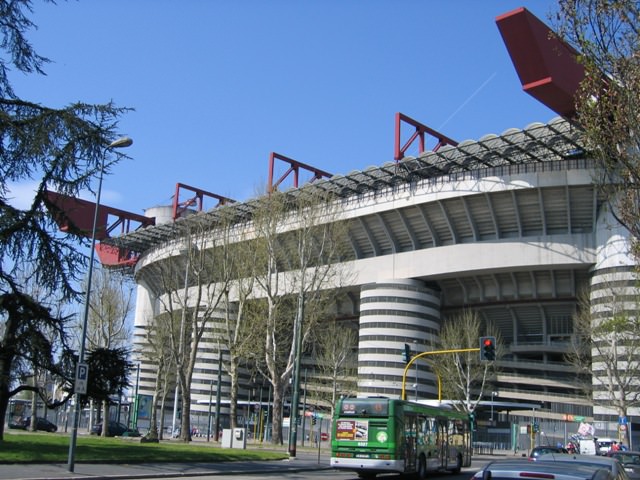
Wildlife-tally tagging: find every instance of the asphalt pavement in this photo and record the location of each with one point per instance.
(304, 461)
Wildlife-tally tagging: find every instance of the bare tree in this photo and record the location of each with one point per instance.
(236, 333)
(157, 351)
(300, 246)
(463, 375)
(606, 350)
(194, 305)
(109, 322)
(336, 343)
(607, 36)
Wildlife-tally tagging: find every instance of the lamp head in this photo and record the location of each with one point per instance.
(121, 142)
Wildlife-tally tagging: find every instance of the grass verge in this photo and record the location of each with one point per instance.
(54, 448)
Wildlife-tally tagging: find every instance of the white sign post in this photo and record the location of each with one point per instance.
(82, 375)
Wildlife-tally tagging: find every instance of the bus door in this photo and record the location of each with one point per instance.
(410, 437)
(443, 442)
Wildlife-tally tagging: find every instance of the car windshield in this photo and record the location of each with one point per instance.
(628, 458)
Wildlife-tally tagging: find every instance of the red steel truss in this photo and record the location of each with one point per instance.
(198, 199)
(420, 132)
(294, 166)
(74, 215)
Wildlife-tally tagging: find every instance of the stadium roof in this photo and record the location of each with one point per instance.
(537, 143)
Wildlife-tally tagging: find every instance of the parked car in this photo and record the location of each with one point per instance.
(42, 424)
(630, 461)
(115, 429)
(543, 449)
(518, 469)
(613, 465)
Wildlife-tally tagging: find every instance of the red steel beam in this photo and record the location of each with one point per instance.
(419, 133)
(294, 167)
(548, 67)
(74, 215)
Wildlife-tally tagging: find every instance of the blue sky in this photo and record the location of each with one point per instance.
(218, 85)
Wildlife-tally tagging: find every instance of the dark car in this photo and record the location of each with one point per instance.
(630, 461)
(116, 429)
(42, 424)
(544, 449)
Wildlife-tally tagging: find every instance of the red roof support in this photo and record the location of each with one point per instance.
(180, 207)
(294, 166)
(420, 131)
(74, 215)
(548, 67)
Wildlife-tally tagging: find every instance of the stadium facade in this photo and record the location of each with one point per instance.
(509, 226)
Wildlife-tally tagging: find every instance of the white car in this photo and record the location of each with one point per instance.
(604, 445)
(614, 466)
(519, 469)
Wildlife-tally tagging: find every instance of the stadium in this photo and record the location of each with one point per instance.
(509, 225)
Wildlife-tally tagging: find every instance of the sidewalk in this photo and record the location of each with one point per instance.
(304, 461)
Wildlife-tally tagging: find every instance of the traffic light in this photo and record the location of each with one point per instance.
(313, 420)
(406, 354)
(487, 348)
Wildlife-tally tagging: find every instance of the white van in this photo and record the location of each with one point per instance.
(588, 447)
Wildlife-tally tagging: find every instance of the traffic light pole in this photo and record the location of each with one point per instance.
(424, 354)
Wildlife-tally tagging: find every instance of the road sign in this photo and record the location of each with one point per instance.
(82, 376)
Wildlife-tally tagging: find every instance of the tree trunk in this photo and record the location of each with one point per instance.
(276, 424)
(152, 435)
(233, 393)
(105, 417)
(185, 420)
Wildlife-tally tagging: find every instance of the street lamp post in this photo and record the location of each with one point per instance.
(216, 430)
(492, 395)
(121, 142)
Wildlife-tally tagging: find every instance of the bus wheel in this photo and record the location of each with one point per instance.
(458, 467)
(422, 468)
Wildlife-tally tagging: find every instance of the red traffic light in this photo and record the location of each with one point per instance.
(487, 348)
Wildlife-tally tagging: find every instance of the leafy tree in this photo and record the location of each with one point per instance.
(109, 370)
(607, 35)
(61, 149)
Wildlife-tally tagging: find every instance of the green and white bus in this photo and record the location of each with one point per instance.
(381, 435)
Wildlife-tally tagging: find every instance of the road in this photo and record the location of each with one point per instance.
(305, 466)
(326, 475)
